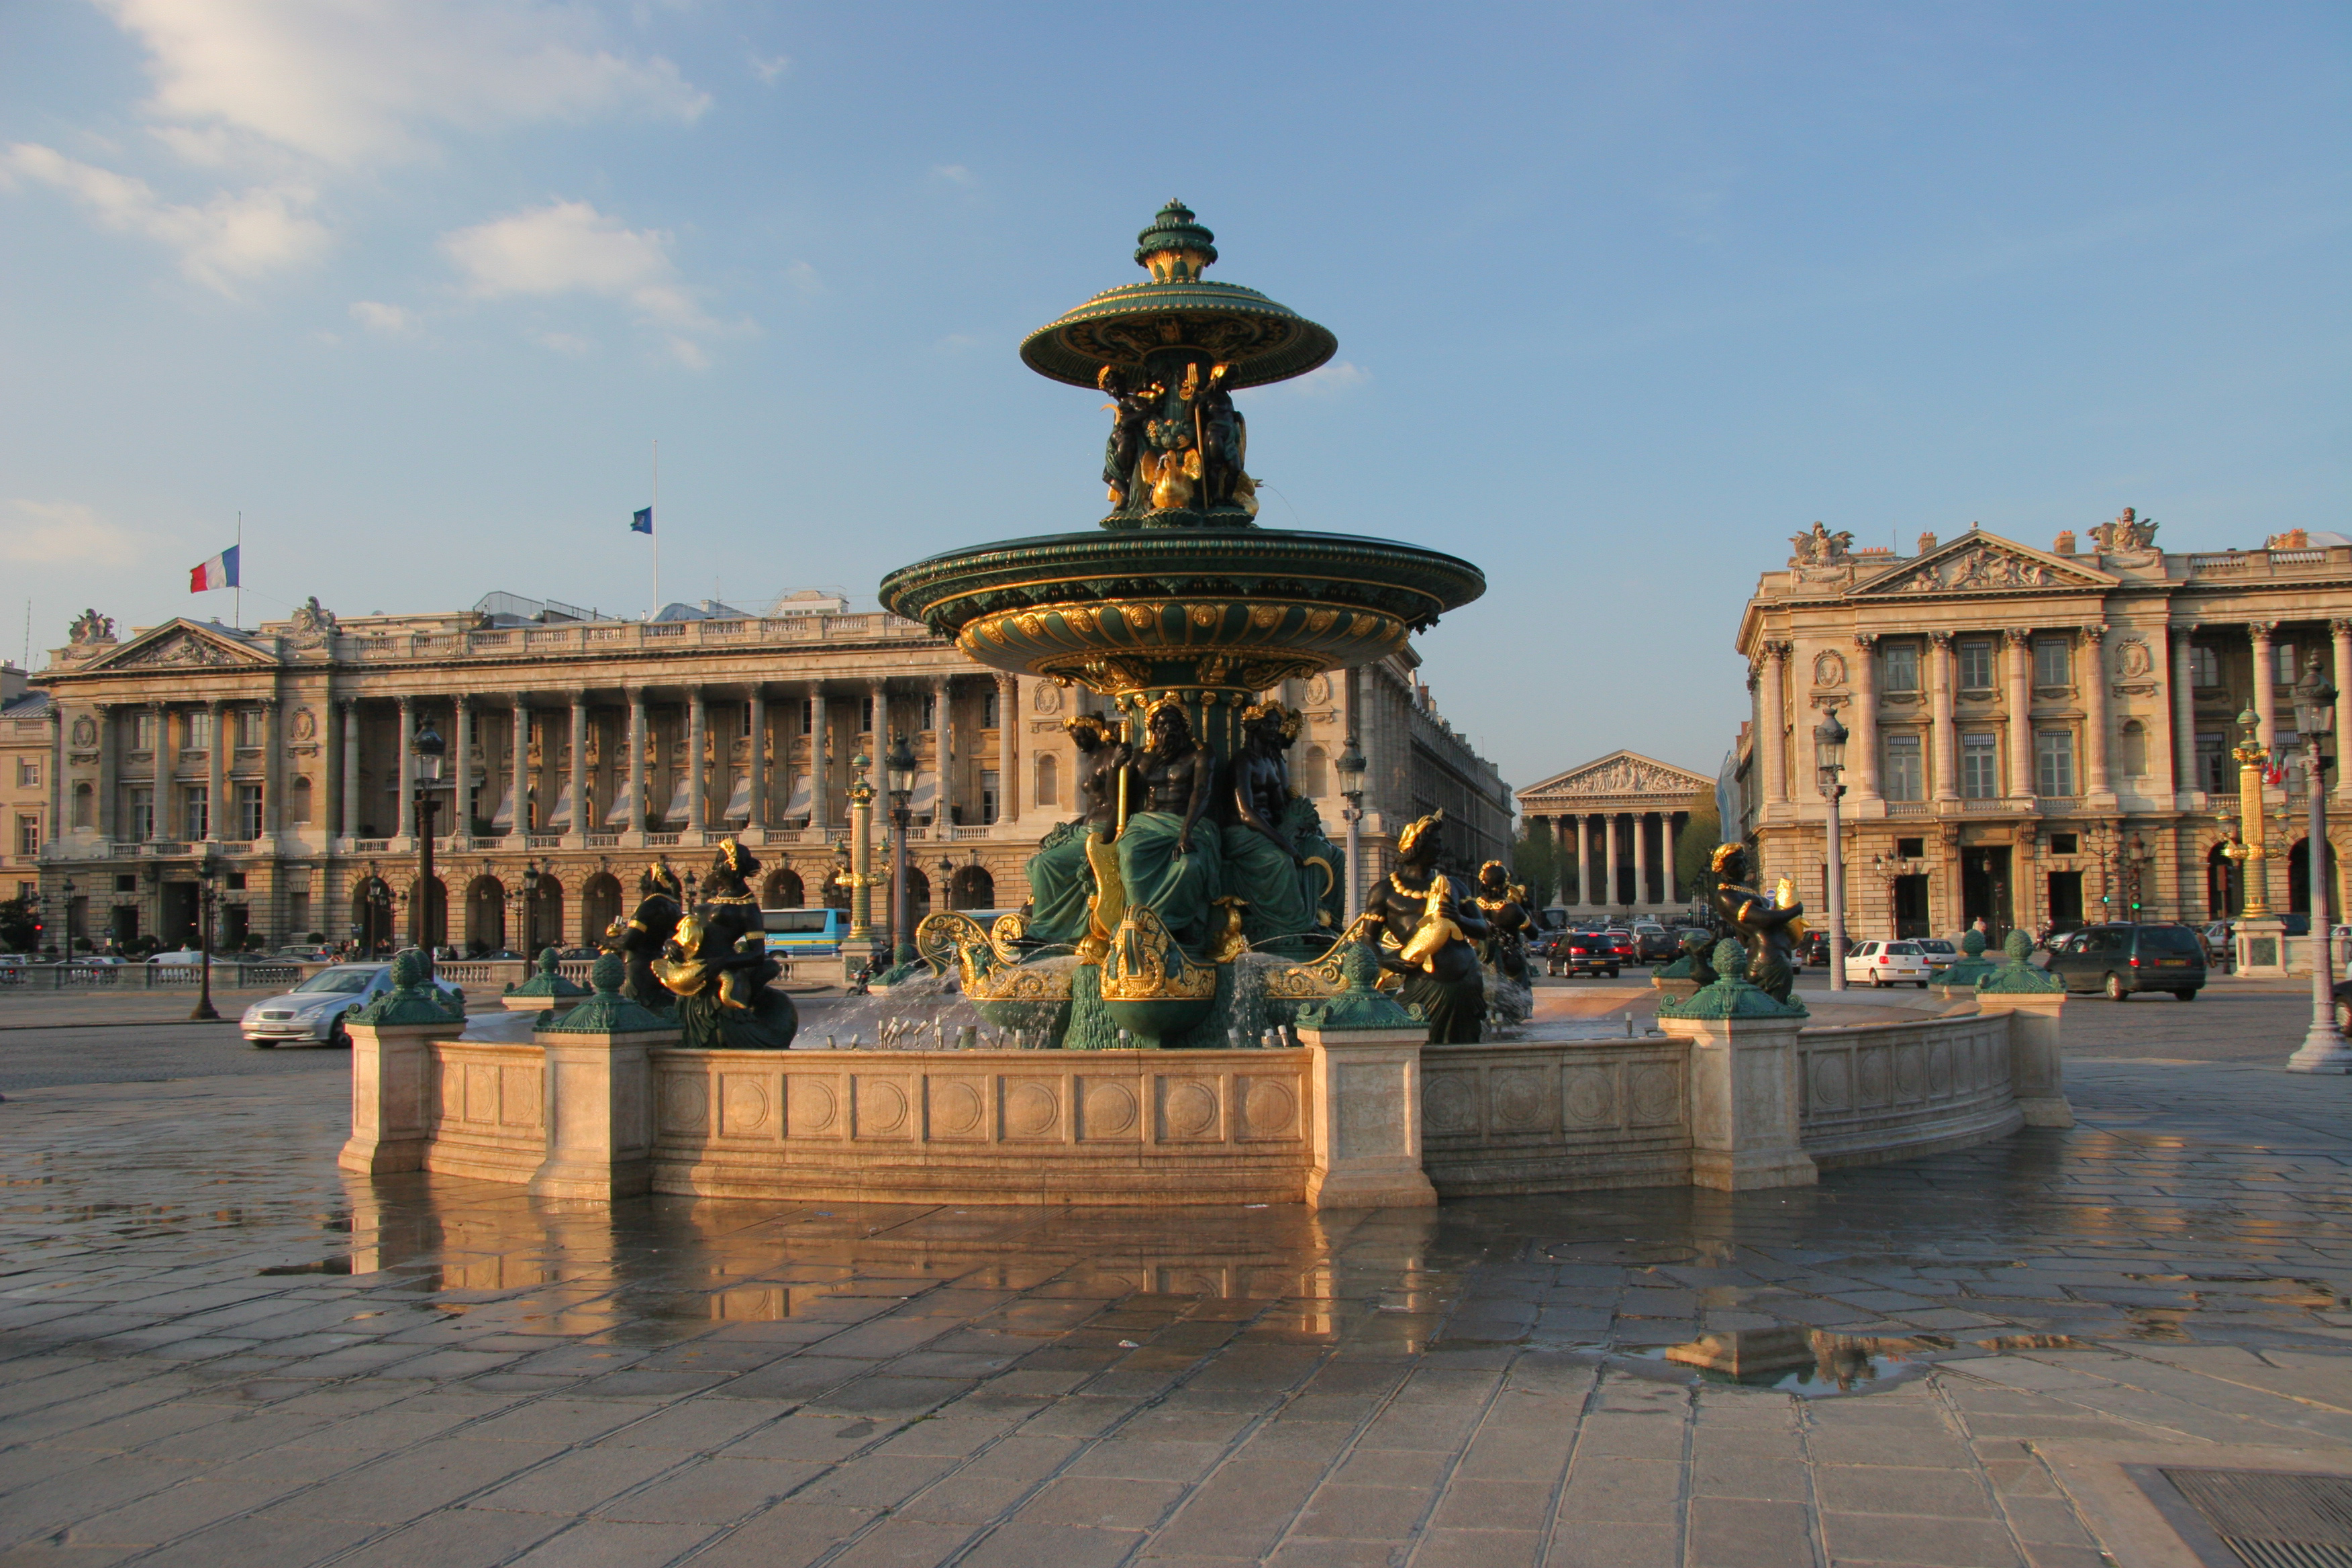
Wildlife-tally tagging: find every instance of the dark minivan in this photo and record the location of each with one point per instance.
(2118, 960)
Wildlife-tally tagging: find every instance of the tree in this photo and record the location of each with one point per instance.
(20, 925)
(1695, 847)
(1535, 860)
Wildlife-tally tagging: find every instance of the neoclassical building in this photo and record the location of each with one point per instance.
(2037, 736)
(1615, 822)
(586, 746)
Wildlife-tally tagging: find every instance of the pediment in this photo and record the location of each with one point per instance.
(1617, 775)
(182, 645)
(1981, 563)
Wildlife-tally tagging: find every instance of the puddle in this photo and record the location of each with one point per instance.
(324, 1266)
(1813, 1364)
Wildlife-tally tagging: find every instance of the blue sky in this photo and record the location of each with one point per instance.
(1625, 297)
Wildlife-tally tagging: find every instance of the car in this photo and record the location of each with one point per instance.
(1621, 945)
(2121, 959)
(1939, 951)
(183, 955)
(313, 1011)
(308, 953)
(1884, 963)
(1583, 953)
(1815, 953)
(1654, 944)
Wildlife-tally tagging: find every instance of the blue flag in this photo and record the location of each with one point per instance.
(643, 522)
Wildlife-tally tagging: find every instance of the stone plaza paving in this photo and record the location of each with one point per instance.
(216, 1349)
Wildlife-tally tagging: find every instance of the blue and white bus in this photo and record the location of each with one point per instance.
(804, 933)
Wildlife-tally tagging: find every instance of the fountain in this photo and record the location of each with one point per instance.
(1180, 610)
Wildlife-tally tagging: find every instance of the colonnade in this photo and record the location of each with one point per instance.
(1607, 860)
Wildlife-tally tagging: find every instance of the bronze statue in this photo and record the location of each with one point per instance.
(1164, 863)
(1762, 926)
(1131, 410)
(1074, 876)
(716, 963)
(1431, 928)
(1265, 866)
(1224, 440)
(1505, 904)
(639, 939)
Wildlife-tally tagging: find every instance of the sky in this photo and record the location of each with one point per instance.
(1625, 297)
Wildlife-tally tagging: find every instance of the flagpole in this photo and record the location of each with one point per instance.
(236, 600)
(658, 526)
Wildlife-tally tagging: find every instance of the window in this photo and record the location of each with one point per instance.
(196, 811)
(987, 796)
(235, 880)
(2066, 844)
(1976, 666)
(302, 801)
(2051, 665)
(200, 730)
(248, 811)
(2053, 762)
(85, 807)
(1901, 661)
(28, 773)
(142, 731)
(2204, 666)
(2213, 764)
(808, 715)
(1979, 765)
(249, 728)
(298, 914)
(28, 836)
(142, 812)
(1049, 780)
(2135, 749)
(126, 882)
(865, 715)
(1905, 777)
(2283, 659)
(988, 710)
(1314, 773)
(930, 711)
(1910, 848)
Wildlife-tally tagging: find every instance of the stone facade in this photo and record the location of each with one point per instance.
(2037, 737)
(1615, 822)
(27, 775)
(589, 745)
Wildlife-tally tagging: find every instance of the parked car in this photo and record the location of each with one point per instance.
(2121, 959)
(1583, 953)
(1939, 952)
(1884, 963)
(305, 953)
(181, 955)
(313, 1011)
(1654, 943)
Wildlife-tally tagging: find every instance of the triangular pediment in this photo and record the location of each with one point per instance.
(183, 644)
(1618, 774)
(1981, 563)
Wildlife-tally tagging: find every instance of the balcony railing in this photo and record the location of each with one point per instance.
(603, 637)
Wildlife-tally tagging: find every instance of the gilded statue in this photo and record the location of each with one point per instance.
(1507, 909)
(716, 963)
(1166, 862)
(1427, 930)
(1767, 927)
(1075, 891)
(639, 939)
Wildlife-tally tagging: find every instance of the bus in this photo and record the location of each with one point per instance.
(804, 933)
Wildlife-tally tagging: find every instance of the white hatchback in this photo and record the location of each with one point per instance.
(313, 1013)
(1886, 962)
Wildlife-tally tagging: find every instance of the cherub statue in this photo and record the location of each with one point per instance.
(1431, 926)
(89, 627)
(716, 963)
(1820, 546)
(1764, 925)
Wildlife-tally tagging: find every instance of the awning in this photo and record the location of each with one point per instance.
(625, 808)
(676, 810)
(927, 796)
(560, 819)
(502, 820)
(739, 800)
(803, 801)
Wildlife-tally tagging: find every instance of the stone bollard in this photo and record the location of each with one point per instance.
(1746, 1105)
(2035, 1001)
(391, 1078)
(1364, 1061)
(597, 1093)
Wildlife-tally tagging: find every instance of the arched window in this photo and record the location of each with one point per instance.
(600, 905)
(971, 888)
(1314, 780)
(2135, 749)
(84, 801)
(302, 803)
(1049, 780)
(784, 890)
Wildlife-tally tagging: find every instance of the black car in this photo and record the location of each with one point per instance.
(1584, 952)
(2119, 960)
(1656, 944)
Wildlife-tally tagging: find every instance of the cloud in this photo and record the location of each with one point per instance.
(1333, 380)
(392, 320)
(954, 175)
(234, 235)
(770, 69)
(351, 81)
(63, 533)
(570, 248)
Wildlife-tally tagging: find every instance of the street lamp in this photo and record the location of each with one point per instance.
(898, 775)
(206, 869)
(428, 749)
(531, 879)
(2324, 1047)
(1829, 764)
(861, 849)
(2101, 841)
(1350, 768)
(945, 898)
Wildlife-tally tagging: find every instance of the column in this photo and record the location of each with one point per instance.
(1641, 857)
(518, 764)
(1561, 851)
(2265, 682)
(215, 775)
(351, 823)
(698, 767)
(581, 822)
(2342, 632)
(1008, 747)
(821, 815)
(633, 778)
(1666, 834)
(159, 773)
(108, 717)
(1584, 886)
(460, 766)
(1609, 869)
(943, 758)
(2017, 641)
(2091, 681)
(757, 760)
(1862, 750)
(407, 761)
(1946, 739)
(1770, 736)
(273, 771)
(2184, 712)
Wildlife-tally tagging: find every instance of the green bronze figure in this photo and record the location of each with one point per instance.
(1264, 865)
(1167, 862)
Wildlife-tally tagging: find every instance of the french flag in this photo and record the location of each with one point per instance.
(220, 572)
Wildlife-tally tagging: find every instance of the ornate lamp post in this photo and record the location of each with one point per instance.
(207, 870)
(2101, 841)
(2246, 846)
(1350, 767)
(946, 899)
(898, 773)
(531, 880)
(1829, 764)
(67, 950)
(428, 748)
(2324, 1048)
(861, 855)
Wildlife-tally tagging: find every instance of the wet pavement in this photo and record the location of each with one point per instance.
(213, 1347)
